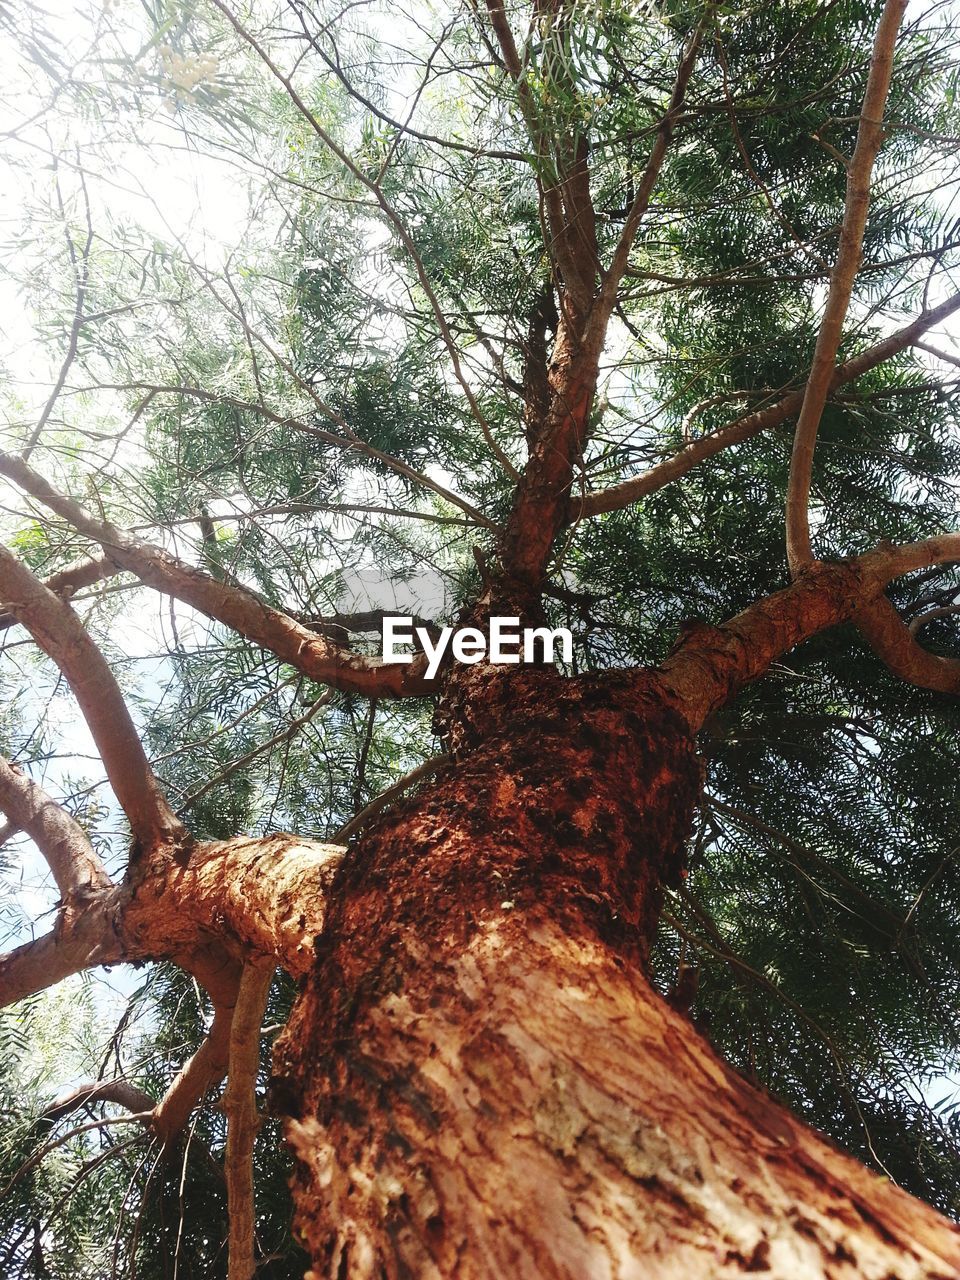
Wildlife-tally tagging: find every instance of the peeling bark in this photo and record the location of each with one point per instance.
(478, 1077)
(265, 897)
(528, 1107)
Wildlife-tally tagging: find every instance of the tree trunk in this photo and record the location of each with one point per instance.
(479, 1079)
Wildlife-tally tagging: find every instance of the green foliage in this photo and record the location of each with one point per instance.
(823, 897)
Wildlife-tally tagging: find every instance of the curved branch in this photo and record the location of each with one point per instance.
(917, 624)
(751, 424)
(61, 840)
(200, 1073)
(710, 664)
(123, 1093)
(869, 137)
(228, 603)
(62, 636)
(894, 644)
(167, 1118)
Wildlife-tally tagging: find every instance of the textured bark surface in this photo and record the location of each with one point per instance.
(525, 1106)
(263, 897)
(479, 1079)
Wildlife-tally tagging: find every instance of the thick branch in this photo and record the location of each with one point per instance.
(243, 1119)
(869, 138)
(894, 643)
(541, 505)
(61, 635)
(225, 902)
(751, 424)
(541, 501)
(79, 941)
(230, 604)
(61, 840)
(259, 897)
(67, 582)
(711, 663)
(196, 1077)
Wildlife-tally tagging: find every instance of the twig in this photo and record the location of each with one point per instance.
(360, 820)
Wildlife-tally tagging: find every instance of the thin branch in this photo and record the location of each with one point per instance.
(751, 424)
(556, 242)
(606, 299)
(237, 766)
(385, 798)
(878, 913)
(81, 269)
(917, 624)
(393, 218)
(62, 636)
(243, 1120)
(61, 1140)
(869, 138)
(61, 840)
(945, 356)
(348, 442)
(231, 604)
(404, 128)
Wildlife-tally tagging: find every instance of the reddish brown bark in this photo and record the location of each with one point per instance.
(889, 636)
(264, 897)
(233, 605)
(870, 135)
(524, 1105)
(59, 632)
(542, 500)
(479, 1079)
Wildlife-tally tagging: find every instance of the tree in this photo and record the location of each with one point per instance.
(611, 316)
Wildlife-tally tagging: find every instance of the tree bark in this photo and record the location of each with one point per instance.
(479, 1079)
